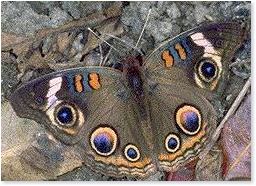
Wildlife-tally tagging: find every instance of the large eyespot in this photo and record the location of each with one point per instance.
(104, 141)
(132, 153)
(207, 70)
(188, 119)
(172, 143)
(66, 116)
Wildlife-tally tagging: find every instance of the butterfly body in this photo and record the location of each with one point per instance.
(153, 114)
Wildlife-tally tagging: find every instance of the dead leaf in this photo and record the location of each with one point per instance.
(58, 42)
(25, 162)
(109, 27)
(185, 173)
(8, 39)
(210, 168)
(236, 143)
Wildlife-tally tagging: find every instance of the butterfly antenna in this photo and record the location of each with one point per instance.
(124, 42)
(101, 55)
(106, 57)
(96, 35)
(143, 29)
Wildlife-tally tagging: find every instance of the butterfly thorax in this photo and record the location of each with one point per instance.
(132, 72)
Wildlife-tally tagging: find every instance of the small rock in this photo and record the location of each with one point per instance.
(173, 12)
(73, 8)
(58, 17)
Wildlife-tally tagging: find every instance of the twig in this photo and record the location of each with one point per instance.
(106, 57)
(240, 62)
(149, 11)
(123, 42)
(101, 55)
(102, 39)
(240, 156)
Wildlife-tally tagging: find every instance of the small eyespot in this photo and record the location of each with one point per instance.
(104, 141)
(188, 119)
(66, 115)
(132, 153)
(207, 70)
(172, 143)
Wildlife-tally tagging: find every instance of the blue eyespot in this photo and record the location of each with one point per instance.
(65, 115)
(103, 141)
(132, 153)
(188, 119)
(208, 70)
(172, 143)
(191, 121)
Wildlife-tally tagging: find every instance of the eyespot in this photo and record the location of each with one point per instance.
(188, 119)
(66, 115)
(207, 70)
(172, 143)
(132, 153)
(104, 141)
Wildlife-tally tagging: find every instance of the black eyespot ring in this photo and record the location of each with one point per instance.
(207, 70)
(188, 119)
(172, 143)
(132, 153)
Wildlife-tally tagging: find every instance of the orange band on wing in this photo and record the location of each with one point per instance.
(120, 161)
(181, 51)
(168, 59)
(94, 81)
(79, 83)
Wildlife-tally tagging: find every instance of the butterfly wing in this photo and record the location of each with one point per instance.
(184, 121)
(199, 57)
(90, 108)
(183, 75)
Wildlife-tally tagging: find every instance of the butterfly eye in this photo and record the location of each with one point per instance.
(172, 143)
(104, 141)
(207, 70)
(188, 119)
(132, 153)
(66, 115)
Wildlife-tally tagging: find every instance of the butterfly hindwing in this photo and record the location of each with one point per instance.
(184, 121)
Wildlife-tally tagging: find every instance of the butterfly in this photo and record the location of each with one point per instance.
(154, 113)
